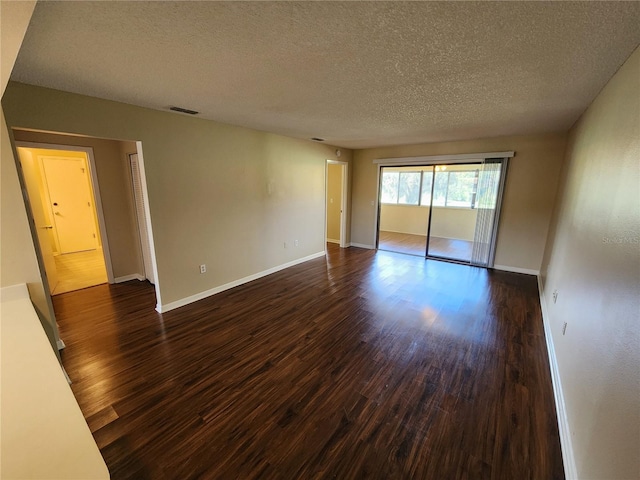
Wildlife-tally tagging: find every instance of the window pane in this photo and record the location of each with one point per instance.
(389, 187)
(461, 189)
(440, 188)
(425, 196)
(409, 188)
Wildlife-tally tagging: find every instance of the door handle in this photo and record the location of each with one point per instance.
(47, 226)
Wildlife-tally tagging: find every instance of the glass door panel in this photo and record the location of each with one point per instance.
(453, 213)
(405, 193)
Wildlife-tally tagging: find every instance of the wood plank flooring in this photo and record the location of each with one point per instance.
(365, 364)
(79, 270)
(449, 248)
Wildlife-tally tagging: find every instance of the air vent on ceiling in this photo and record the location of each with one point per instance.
(316, 139)
(184, 110)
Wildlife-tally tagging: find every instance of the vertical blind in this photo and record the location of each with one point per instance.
(489, 192)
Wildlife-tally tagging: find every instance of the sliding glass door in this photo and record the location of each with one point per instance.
(447, 212)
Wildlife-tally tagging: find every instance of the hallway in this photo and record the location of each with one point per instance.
(79, 270)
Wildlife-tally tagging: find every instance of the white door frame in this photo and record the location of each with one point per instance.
(343, 200)
(147, 211)
(141, 215)
(96, 193)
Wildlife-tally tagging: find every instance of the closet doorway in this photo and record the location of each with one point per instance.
(447, 210)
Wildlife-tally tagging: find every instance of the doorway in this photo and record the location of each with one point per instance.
(336, 202)
(444, 211)
(62, 190)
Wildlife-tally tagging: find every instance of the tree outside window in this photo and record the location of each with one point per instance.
(450, 188)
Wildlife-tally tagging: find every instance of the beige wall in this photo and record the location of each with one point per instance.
(18, 261)
(593, 261)
(225, 196)
(459, 223)
(447, 222)
(334, 200)
(114, 181)
(14, 20)
(411, 219)
(529, 195)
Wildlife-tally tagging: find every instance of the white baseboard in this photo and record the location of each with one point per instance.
(126, 278)
(568, 458)
(333, 240)
(14, 292)
(212, 291)
(507, 268)
(362, 245)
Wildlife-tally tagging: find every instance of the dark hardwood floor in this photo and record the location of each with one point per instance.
(362, 365)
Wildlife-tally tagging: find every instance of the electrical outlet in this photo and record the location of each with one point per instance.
(564, 328)
(555, 296)
(203, 268)
(295, 243)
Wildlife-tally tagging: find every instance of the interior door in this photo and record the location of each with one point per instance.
(67, 181)
(44, 228)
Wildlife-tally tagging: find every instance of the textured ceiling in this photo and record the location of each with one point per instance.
(358, 74)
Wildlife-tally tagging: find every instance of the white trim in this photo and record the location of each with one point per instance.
(95, 190)
(362, 245)
(147, 211)
(507, 268)
(14, 292)
(344, 205)
(343, 200)
(378, 206)
(431, 159)
(333, 240)
(566, 445)
(212, 291)
(138, 200)
(133, 276)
